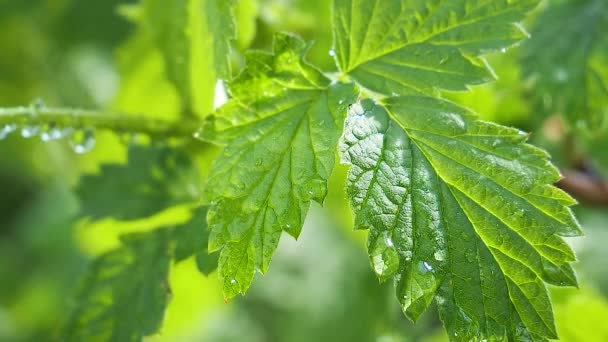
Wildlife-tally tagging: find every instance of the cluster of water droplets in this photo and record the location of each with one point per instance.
(81, 140)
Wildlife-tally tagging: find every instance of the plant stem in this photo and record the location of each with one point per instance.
(82, 118)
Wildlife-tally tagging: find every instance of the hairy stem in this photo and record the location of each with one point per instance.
(82, 118)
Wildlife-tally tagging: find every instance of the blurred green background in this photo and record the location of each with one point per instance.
(92, 54)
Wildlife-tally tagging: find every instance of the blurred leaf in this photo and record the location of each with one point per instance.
(194, 37)
(144, 86)
(457, 214)
(192, 239)
(126, 290)
(281, 129)
(580, 314)
(125, 293)
(246, 13)
(154, 179)
(567, 60)
(414, 46)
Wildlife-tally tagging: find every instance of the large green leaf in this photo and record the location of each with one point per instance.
(280, 129)
(569, 66)
(462, 212)
(405, 46)
(194, 37)
(126, 290)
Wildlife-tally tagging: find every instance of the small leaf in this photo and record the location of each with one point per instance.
(280, 129)
(154, 179)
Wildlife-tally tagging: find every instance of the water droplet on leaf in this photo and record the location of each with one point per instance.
(30, 131)
(7, 129)
(332, 53)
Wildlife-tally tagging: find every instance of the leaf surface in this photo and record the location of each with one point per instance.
(417, 46)
(462, 212)
(280, 129)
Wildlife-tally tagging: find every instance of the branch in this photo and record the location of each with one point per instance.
(81, 118)
(585, 187)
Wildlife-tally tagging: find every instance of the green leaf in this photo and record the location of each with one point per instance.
(191, 239)
(155, 178)
(570, 73)
(126, 291)
(417, 46)
(462, 212)
(280, 129)
(194, 37)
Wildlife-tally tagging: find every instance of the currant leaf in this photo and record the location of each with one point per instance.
(280, 128)
(460, 211)
(418, 46)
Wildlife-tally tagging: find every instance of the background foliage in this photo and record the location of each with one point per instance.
(59, 210)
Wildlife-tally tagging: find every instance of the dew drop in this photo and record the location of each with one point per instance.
(258, 162)
(341, 101)
(232, 281)
(427, 266)
(444, 60)
(83, 141)
(50, 132)
(30, 131)
(7, 129)
(503, 50)
(332, 53)
(288, 226)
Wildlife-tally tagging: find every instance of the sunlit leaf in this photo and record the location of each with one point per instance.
(405, 46)
(280, 130)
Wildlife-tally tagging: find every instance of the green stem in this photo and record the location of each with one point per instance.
(82, 118)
